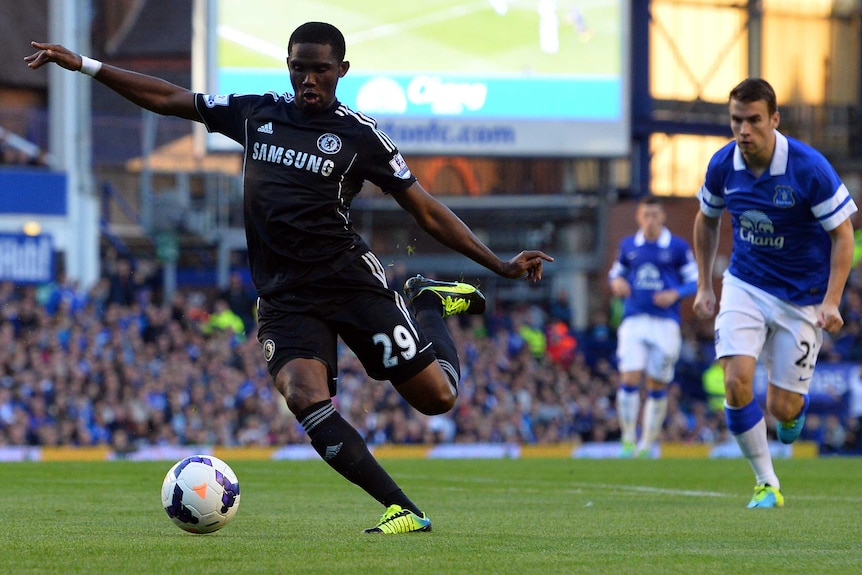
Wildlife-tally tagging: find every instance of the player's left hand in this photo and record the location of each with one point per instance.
(527, 264)
(829, 318)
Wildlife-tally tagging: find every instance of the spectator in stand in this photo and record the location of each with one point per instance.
(240, 299)
(713, 386)
(560, 307)
(598, 342)
(223, 318)
(63, 291)
(834, 435)
(853, 443)
(122, 283)
(561, 344)
(531, 330)
(848, 343)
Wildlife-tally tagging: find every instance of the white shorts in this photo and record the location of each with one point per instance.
(784, 336)
(650, 344)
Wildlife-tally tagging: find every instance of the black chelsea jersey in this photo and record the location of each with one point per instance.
(300, 175)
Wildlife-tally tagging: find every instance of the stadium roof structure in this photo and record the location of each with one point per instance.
(180, 156)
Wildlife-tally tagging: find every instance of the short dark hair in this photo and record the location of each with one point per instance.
(319, 33)
(650, 200)
(752, 90)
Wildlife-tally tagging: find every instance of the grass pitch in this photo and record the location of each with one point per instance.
(465, 36)
(523, 516)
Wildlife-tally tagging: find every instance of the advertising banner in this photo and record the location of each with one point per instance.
(26, 259)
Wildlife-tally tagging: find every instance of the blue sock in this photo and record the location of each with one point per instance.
(740, 420)
(658, 393)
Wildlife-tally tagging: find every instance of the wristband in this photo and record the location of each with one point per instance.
(89, 66)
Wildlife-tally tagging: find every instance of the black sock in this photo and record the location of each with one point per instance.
(398, 498)
(432, 324)
(341, 446)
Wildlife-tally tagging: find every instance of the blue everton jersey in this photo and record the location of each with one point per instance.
(780, 220)
(650, 267)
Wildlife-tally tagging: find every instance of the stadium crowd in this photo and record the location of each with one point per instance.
(114, 367)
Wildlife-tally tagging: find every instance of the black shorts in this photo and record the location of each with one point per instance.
(354, 303)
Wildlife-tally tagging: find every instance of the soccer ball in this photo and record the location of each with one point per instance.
(200, 494)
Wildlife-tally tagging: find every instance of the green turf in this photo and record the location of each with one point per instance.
(466, 36)
(490, 516)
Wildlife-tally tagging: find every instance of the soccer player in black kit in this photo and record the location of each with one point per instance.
(306, 156)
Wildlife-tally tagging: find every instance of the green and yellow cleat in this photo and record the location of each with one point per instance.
(627, 451)
(398, 520)
(787, 432)
(457, 297)
(645, 453)
(766, 496)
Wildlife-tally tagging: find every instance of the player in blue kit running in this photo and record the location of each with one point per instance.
(791, 255)
(306, 156)
(653, 271)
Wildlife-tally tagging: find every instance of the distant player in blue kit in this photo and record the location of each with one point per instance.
(652, 272)
(791, 255)
(305, 158)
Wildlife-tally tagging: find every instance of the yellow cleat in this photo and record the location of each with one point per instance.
(766, 496)
(627, 451)
(397, 520)
(456, 297)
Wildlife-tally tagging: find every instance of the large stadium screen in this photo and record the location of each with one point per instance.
(460, 77)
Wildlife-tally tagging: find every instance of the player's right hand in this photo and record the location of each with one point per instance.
(704, 303)
(47, 53)
(621, 288)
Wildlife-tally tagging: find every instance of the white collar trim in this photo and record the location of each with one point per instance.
(778, 165)
(663, 240)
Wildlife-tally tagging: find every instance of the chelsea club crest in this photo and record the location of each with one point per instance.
(329, 143)
(268, 350)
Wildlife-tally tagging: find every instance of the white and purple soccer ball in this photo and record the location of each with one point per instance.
(200, 494)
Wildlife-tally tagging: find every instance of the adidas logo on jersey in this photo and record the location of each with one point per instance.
(266, 128)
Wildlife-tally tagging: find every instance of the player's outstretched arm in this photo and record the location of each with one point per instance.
(148, 92)
(448, 229)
